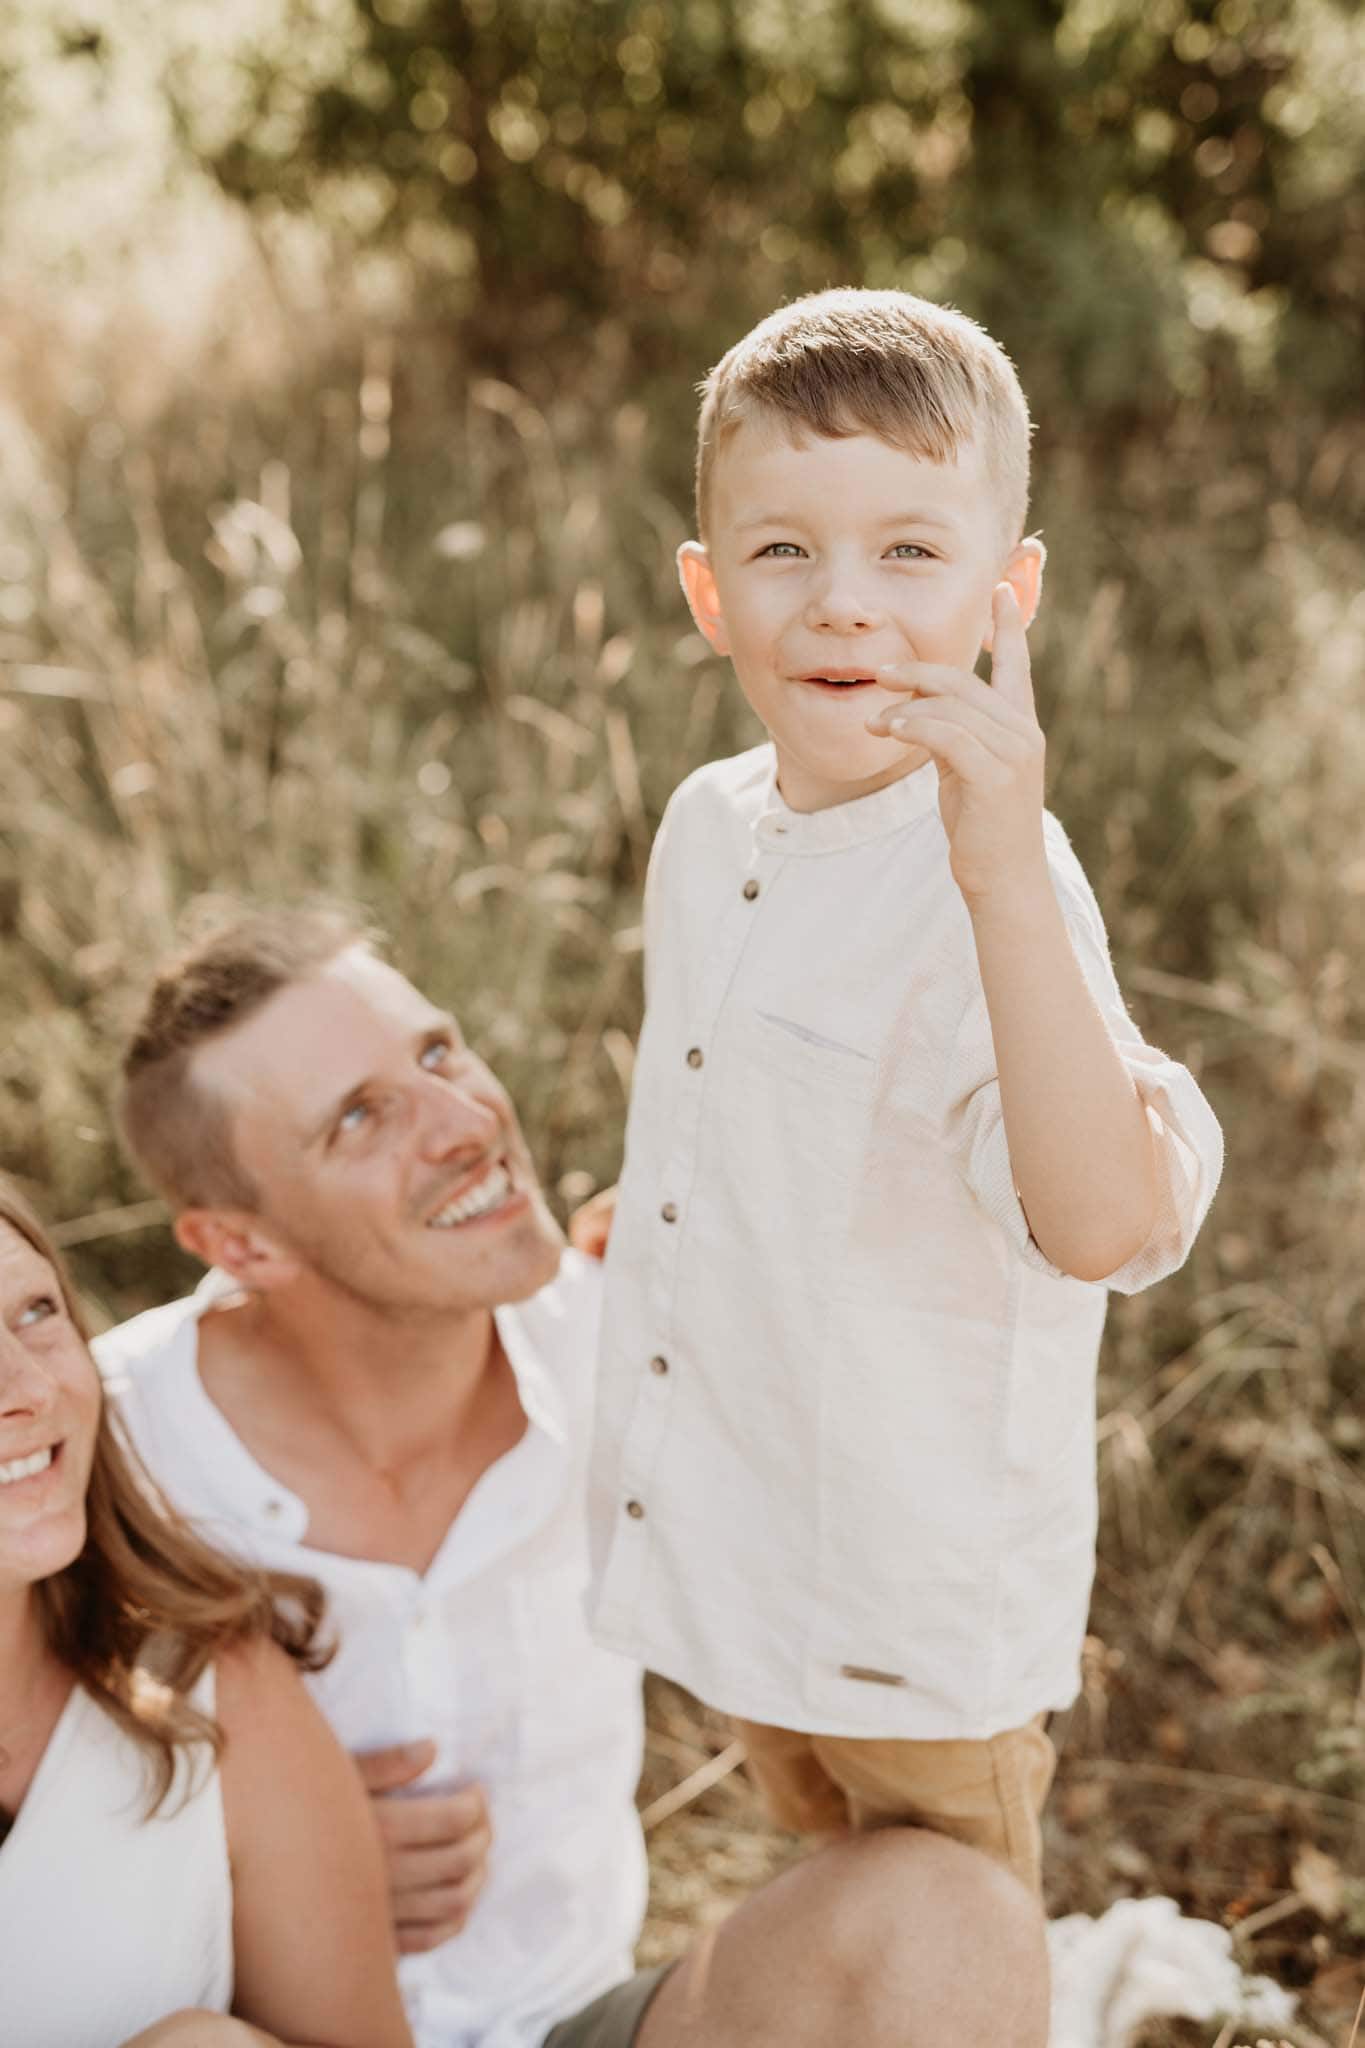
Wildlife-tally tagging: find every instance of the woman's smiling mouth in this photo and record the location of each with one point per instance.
(17, 1470)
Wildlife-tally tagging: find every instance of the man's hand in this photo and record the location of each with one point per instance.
(590, 1226)
(988, 747)
(435, 1844)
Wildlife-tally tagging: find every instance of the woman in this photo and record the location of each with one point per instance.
(181, 1839)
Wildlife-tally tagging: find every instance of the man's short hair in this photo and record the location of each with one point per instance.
(922, 377)
(234, 959)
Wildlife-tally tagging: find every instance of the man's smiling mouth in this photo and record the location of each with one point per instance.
(490, 1193)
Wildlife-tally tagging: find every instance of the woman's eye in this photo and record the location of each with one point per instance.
(435, 1055)
(38, 1311)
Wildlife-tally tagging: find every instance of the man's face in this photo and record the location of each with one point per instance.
(828, 560)
(386, 1156)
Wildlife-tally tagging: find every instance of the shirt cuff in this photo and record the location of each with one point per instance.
(1188, 1146)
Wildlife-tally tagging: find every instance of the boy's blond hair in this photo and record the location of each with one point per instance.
(923, 377)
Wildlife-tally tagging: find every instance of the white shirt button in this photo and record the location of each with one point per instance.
(695, 1056)
(658, 1366)
(669, 1212)
(635, 1509)
(750, 890)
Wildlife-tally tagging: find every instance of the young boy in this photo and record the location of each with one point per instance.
(892, 1133)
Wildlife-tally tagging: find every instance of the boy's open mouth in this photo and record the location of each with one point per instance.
(841, 679)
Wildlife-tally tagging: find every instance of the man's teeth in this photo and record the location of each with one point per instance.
(25, 1468)
(489, 1194)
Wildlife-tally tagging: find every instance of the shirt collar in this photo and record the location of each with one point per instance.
(780, 829)
(271, 1507)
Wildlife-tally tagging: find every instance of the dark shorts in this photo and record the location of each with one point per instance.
(611, 2020)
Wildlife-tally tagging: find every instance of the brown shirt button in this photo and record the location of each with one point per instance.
(694, 1057)
(750, 890)
(635, 1509)
(669, 1212)
(659, 1366)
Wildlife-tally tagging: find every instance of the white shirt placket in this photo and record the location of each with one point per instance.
(661, 1362)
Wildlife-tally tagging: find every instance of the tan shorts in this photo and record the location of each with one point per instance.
(989, 1794)
(612, 2020)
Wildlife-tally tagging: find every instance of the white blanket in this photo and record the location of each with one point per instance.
(1142, 1961)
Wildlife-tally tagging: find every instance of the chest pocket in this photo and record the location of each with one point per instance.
(788, 1047)
(793, 1141)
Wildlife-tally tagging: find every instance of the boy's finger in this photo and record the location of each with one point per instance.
(931, 678)
(1010, 671)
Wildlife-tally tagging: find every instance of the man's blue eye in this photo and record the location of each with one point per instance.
(38, 1310)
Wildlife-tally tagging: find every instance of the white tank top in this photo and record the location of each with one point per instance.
(108, 1920)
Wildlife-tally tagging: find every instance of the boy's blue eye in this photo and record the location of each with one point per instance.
(781, 550)
(351, 1119)
(910, 551)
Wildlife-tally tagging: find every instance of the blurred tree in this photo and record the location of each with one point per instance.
(1147, 199)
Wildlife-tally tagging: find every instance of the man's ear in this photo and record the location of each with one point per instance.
(699, 588)
(1024, 574)
(237, 1243)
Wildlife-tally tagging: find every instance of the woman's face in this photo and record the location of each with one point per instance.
(49, 1414)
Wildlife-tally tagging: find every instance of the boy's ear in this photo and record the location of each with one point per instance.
(699, 588)
(237, 1243)
(1024, 573)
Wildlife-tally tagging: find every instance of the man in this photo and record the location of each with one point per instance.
(385, 1382)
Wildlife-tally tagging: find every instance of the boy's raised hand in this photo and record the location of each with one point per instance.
(988, 746)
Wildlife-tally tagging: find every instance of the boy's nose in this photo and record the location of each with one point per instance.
(840, 605)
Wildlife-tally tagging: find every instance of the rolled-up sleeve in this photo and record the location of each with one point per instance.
(1187, 1141)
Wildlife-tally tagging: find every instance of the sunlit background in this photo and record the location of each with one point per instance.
(347, 354)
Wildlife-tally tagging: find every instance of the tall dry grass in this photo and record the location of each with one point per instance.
(365, 629)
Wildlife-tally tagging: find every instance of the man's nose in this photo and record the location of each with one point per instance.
(841, 602)
(455, 1119)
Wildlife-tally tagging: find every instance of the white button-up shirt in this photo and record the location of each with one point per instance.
(487, 1652)
(844, 1477)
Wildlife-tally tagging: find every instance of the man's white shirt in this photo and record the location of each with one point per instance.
(487, 1652)
(844, 1477)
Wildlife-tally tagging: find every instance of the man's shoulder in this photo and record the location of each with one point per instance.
(134, 1352)
(564, 1317)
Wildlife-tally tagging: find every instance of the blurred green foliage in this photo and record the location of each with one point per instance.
(1147, 200)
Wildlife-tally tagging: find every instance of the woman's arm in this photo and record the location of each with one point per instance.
(311, 1934)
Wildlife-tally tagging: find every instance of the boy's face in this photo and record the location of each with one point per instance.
(830, 560)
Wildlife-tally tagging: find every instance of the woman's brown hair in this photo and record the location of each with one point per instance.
(147, 1605)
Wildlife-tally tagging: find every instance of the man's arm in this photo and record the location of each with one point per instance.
(1080, 1144)
(435, 1845)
